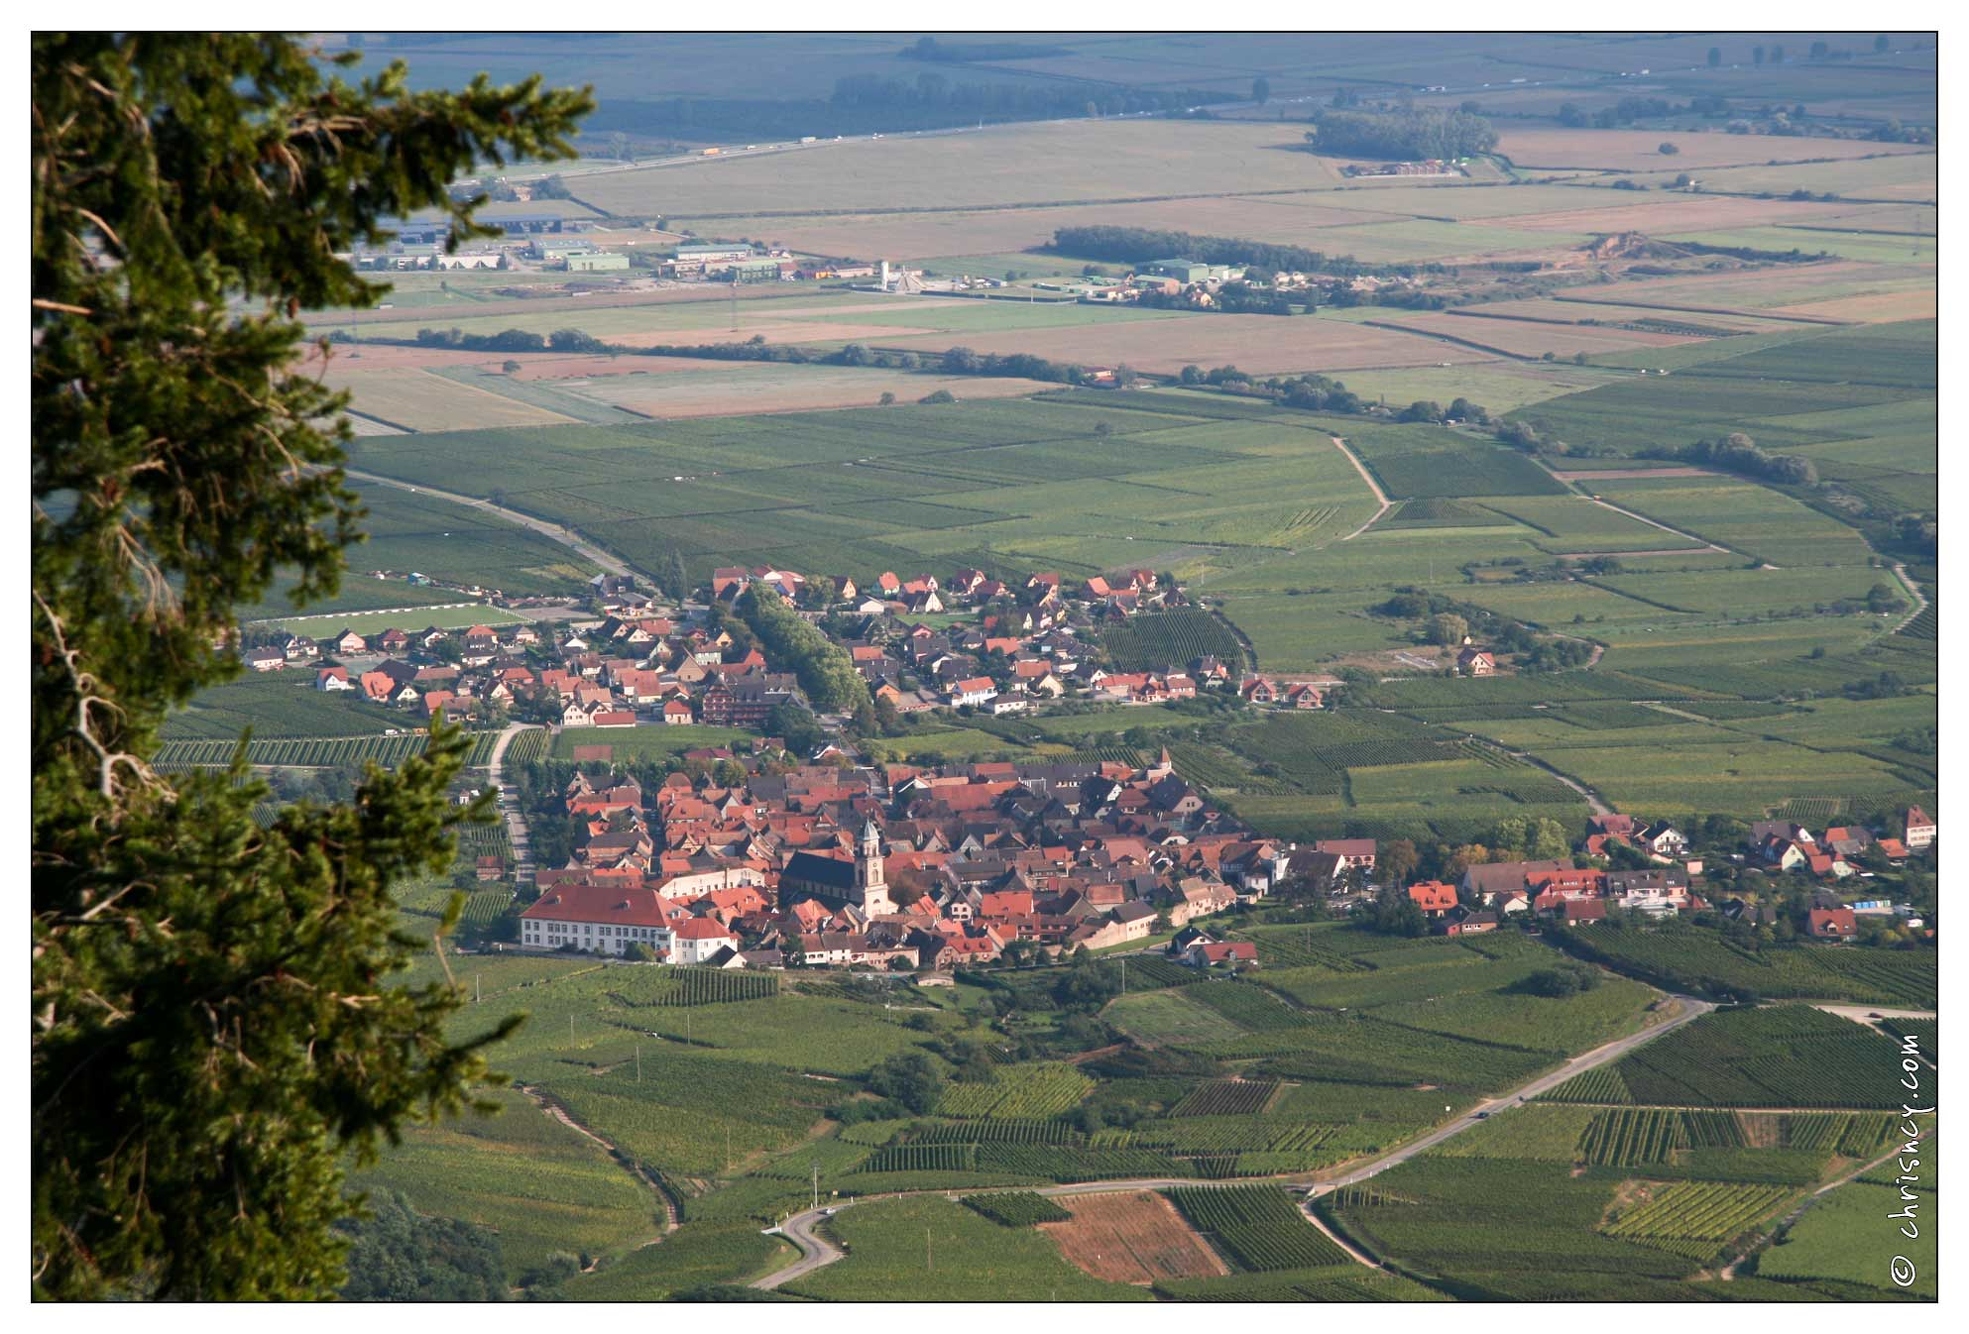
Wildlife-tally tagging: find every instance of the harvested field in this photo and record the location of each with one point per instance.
(1524, 338)
(1682, 213)
(1060, 161)
(1585, 312)
(418, 400)
(1262, 344)
(1132, 1238)
(789, 331)
(1761, 291)
(1873, 308)
(1639, 150)
(731, 389)
(558, 302)
(1291, 219)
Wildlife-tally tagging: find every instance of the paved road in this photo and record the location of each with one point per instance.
(817, 1251)
(552, 531)
(1914, 590)
(1372, 485)
(509, 805)
(1692, 1009)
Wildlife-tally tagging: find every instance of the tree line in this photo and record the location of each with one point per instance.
(1419, 133)
(826, 673)
(1139, 245)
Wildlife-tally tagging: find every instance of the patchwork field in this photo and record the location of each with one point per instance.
(1131, 1238)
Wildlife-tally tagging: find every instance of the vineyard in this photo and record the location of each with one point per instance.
(1250, 1006)
(1256, 1228)
(683, 986)
(1017, 1208)
(1039, 1090)
(526, 747)
(1689, 957)
(1157, 641)
(1228, 1097)
(1601, 1084)
(1007, 1130)
(1789, 1056)
(1694, 1219)
(1632, 1138)
(319, 752)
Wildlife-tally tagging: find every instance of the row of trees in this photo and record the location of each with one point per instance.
(826, 673)
(1406, 135)
(1139, 245)
(1738, 453)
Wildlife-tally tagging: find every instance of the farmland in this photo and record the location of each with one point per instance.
(1131, 1238)
(1725, 646)
(929, 1249)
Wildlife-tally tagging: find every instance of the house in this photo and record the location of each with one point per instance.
(1351, 852)
(1210, 953)
(491, 867)
(333, 678)
(1663, 839)
(698, 938)
(676, 713)
(350, 642)
(602, 919)
(972, 690)
(1433, 897)
(265, 659)
(1582, 912)
(1476, 662)
(1921, 829)
(1833, 924)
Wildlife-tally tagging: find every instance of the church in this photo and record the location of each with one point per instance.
(861, 883)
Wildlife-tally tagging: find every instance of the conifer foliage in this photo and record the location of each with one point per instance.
(214, 1019)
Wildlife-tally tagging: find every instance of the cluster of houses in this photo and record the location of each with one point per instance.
(1025, 642)
(1785, 845)
(904, 868)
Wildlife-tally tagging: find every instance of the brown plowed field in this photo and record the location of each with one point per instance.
(1260, 344)
(1640, 150)
(1132, 1238)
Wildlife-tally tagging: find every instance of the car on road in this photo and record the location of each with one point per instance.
(1482, 1116)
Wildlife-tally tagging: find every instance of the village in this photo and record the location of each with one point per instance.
(970, 644)
(820, 858)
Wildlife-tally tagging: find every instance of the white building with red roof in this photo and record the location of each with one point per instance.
(601, 919)
(698, 938)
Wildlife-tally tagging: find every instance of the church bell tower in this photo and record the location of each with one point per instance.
(870, 880)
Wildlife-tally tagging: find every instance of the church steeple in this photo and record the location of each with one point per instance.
(868, 860)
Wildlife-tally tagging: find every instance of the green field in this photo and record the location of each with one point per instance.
(930, 1249)
(1845, 1236)
(540, 1185)
(281, 704)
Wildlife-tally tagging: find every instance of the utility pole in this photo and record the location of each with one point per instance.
(929, 1259)
(816, 1183)
(639, 1066)
(478, 992)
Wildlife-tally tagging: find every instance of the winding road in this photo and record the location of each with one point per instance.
(552, 531)
(816, 1251)
(1372, 485)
